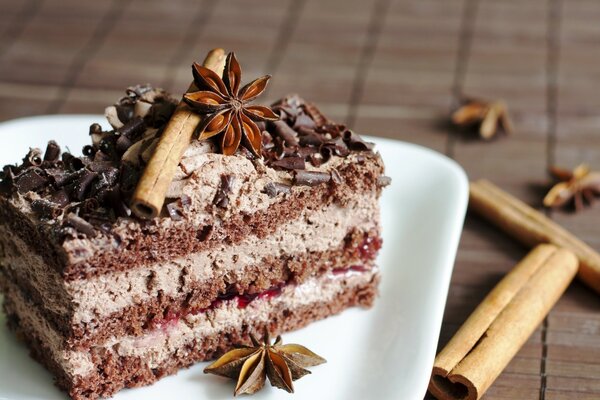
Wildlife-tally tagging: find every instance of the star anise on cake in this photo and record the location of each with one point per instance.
(574, 187)
(225, 107)
(488, 117)
(251, 366)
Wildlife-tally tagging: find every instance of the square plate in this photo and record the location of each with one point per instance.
(386, 352)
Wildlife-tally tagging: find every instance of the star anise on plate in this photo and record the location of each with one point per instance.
(488, 117)
(226, 108)
(251, 366)
(574, 187)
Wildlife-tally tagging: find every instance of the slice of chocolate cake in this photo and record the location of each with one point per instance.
(244, 242)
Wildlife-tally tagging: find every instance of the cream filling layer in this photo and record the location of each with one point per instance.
(158, 345)
(98, 297)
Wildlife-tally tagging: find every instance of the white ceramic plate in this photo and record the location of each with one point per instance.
(383, 353)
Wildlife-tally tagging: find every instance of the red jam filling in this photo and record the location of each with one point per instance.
(171, 318)
(369, 247)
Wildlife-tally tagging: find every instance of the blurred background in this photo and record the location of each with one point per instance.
(393, 68)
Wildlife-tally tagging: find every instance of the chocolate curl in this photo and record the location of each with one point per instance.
(284, 131)
(309, 137)
(355, 142)
(30, 180)
(33, 158)
(311, 178)
(149, 195)
(52, 152)
(304, 121)
(60, 197)
(272, 189)
(316, 114)
(80, 185)
(80, 225)
(291, 163)
(132, 129)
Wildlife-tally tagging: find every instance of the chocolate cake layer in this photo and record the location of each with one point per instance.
(85, 310)
(136, 361)
(130, 245)
(359, 248)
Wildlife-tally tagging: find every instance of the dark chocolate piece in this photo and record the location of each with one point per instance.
(355, 142)
(225, 189)
(291, 163)
(284, 131)
(80, 225)
(52, 153)
(311, 178)
(272, 189)
(30, 180)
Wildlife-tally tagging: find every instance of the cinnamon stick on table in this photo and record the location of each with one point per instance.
(149, 196)
(532, 227)
(501, 324)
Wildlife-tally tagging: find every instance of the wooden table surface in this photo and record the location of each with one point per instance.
(389, 67)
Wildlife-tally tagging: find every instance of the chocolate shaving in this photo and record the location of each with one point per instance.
(81, 184)
(304, 121)
(132, 129)
(33, 158)
(30, 180)
(80, 225)
(125, 111)
(355, 142)
(291, 163)
(52, 153)
(336, 147)
(59, 197)
(160, 113)
(284, 131)
(311, 178)
(123, 143)
(336, 177)
(309, 137)
(95, 129)
(272, 189)
(221, 199)
(315, 114)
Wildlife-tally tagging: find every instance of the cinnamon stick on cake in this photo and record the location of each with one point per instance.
(281, 230)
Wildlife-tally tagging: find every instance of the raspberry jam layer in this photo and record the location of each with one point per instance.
(171, 319)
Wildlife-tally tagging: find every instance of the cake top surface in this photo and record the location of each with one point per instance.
(79, 197)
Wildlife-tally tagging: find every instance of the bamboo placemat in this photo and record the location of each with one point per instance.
(387, 67)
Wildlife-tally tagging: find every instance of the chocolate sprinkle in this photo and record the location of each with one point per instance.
(311, 178)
